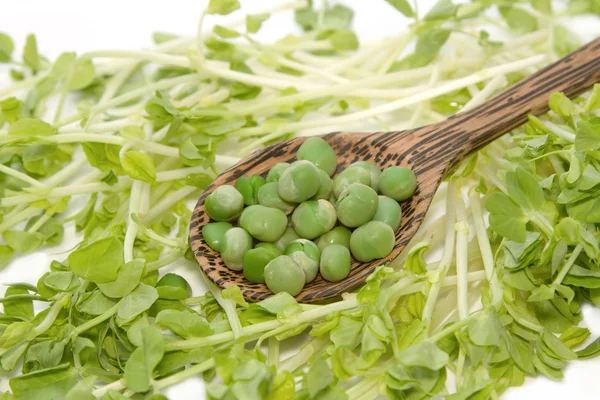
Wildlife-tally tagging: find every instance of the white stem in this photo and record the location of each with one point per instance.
(167, 202)
(19, 175)
(132, 227)
(462, 259)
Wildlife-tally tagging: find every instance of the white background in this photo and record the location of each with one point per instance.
(72, 25)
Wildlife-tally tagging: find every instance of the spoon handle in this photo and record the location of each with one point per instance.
(573, 75)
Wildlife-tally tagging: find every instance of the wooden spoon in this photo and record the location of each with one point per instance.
(430, 151)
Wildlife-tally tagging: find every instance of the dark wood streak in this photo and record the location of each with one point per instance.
(431, 151)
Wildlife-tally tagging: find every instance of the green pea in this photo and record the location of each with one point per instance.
(357, 205)
(235, 243)
(256, 259)
(325, 186)
(335, 263)
(174, 280)
(338, 235)
(313, 218)
(269, 246)
(348, 177)
(306, 254)
(214, 232)
(282, 274)
(275, 172)
(268, 196)
(173, 287)
(318, 152)
(372, 241)
(264, 223)
(249, 188)
(299, 182)
(288, 237)
(399, 183)
(388, 211)
(224, 204)
(374, 172)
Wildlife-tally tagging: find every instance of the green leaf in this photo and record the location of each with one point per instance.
(427, 48)
(524, 189)
(186, 324)
(343, 40)
(94, 303)
(588, 135)
(519, 20)
(6, 254)
(6, 47)
(442, 10)
(279, 302)
(575, 233)
(222, 7)
(506, 217)
(425, 354)
(575, 336)
(31, 57)
(46, 384)
(319, 377)
(403, 6)
(346, 332)
(83, 74)
(562, 105)
(25, 242)
(544, 6)
(31, 127)
(225, 33)
(99, 261)
(135, 303)
(594, 99)
(139, 166)
(128, 277)
(62, 281)
(18, 308)
(592, 350)
(82, 390)
(193, 155)
(141, 364)
(254, 22)
(44, 354)
(557, 347)
(485, 330)
(234, 293)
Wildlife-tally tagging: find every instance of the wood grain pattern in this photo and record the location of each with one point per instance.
(430, 151)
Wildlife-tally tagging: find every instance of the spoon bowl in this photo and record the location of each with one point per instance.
(430, 151)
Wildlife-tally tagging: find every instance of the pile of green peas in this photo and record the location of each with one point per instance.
(299, 221)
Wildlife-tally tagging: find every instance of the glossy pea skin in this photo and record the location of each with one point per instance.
(299, 182)
(235, 243)
(338, 235)
(282, 274)
(225, 203)
(388, 211)
(214, 232)
(399, 183)
(325, 186)
(318, 152)
(288, 237)
(275, 172)
(372, 241)
(313, 218)
(357, 205)
(256, 259)
(349, 176)
(264, 223)
(335, 263)
(249, 188)
(268, 196)
(307, 255)
(374, 172)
